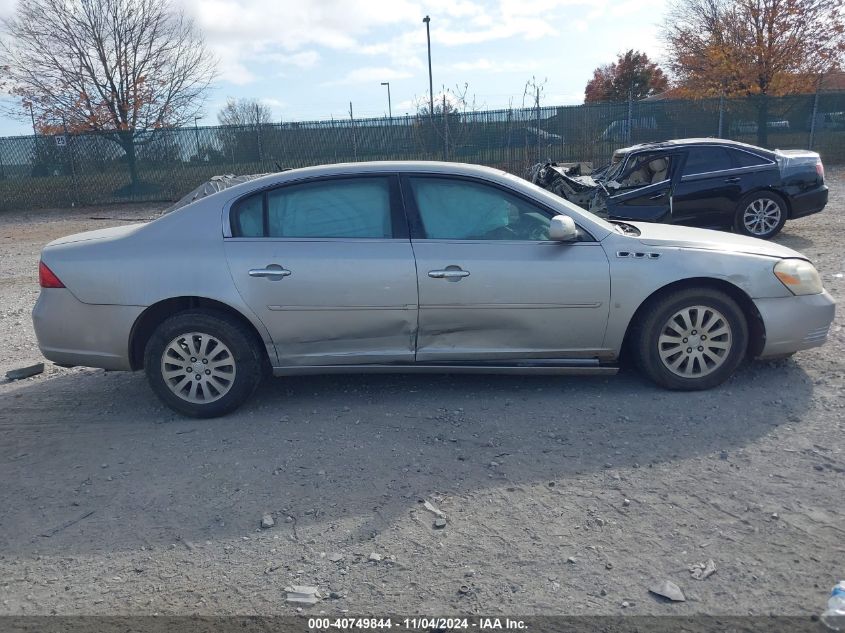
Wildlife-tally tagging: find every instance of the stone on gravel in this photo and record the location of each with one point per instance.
(668, 589)
(439, 523)
(25, 372)
(335, 557)
(302, 594)
(375, 557)
(267, 522)
(433, 509)
(703, 571)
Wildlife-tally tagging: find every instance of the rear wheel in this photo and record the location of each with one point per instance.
(203, 364)
(761, 214)
(692, 339)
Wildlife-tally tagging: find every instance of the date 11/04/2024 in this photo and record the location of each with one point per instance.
(417, 623)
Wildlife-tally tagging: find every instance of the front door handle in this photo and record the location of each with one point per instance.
(273, 272)
(452, 273)
(734, 179)
(658, 196)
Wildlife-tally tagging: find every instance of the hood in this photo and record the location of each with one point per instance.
(670, 235)
(112, 233)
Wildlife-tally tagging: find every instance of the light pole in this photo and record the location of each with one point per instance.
(427, 19)
(389, 107)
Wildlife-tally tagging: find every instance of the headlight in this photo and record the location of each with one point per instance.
(799, 276)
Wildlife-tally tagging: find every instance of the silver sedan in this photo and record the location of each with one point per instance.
(413, 267)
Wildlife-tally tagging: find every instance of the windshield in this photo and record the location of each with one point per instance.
(615, 167)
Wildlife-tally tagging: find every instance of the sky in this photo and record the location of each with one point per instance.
(307, 59)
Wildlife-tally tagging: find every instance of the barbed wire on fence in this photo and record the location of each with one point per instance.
(87, 169)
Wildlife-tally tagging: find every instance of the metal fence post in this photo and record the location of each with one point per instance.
(445, 130)
(354, 139)
(69, 145)
(629, 136)
(539, 142)
(813, 118)
(721, 115)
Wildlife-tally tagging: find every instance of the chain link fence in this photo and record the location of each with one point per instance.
(162, 165)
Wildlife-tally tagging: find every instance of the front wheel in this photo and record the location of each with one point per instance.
(692, 339)
(760, 214)
(203, 364)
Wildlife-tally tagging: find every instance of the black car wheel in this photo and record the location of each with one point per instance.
(203, 364)
(691, 339)
(760, 214)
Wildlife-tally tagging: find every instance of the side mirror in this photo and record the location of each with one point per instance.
(562, 229)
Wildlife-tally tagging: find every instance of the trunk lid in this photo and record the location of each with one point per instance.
(115, 232)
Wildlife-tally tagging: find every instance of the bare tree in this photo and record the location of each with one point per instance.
(120, 67)
(244, 112)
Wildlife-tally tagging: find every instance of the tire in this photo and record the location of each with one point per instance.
(229, 363)
(761, 214)
(665, 328)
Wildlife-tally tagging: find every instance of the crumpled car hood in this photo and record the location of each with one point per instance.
(705, 239)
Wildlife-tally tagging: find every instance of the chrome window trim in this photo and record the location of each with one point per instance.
(723, 172)
(351, 240)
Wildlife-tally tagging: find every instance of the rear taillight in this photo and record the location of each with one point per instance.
(820, 169)
(47, 278)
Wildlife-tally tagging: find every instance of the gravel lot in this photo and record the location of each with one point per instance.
(562, 495)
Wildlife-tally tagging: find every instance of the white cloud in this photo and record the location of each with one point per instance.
(485, 64)
(370, 74)
(304, 59)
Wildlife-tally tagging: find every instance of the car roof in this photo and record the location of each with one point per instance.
(383, 166)
(695, 142)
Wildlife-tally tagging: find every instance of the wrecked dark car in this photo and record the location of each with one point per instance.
(698, 182)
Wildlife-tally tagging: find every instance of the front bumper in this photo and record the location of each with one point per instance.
(73, 333)
(795, 323)
(809, 202)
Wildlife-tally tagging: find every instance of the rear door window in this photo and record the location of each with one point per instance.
(336, 208)
(746, 159)
(703, 160)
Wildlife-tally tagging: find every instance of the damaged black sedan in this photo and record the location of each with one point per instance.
(698, 182)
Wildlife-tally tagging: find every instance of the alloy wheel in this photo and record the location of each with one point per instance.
(198, 368)
(695, 341)
(761, 216)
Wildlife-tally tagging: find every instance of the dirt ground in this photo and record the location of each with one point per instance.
(561, 495)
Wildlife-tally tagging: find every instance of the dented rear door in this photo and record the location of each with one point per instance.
(328, 267)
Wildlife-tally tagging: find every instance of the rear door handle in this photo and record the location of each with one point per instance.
(450, 273)
(734, 179)
(273, 272)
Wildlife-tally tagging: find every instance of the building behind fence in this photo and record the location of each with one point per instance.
(85, 169)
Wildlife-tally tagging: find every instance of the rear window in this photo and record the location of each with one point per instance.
(703, 160)
(746, 159)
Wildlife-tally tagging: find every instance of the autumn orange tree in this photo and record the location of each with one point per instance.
(757, 48)
(632, 74)
(123, 68)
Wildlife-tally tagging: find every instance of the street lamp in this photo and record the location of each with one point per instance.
(427, 19)
(389, 107)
